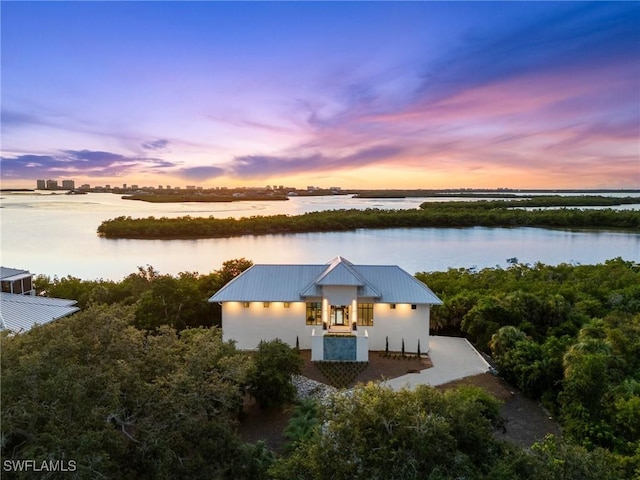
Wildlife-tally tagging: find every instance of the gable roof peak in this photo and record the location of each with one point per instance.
(337, 260)
(340, 271)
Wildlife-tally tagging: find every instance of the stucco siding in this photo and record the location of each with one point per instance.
(398, 324)
(248, 326)
(339, 295)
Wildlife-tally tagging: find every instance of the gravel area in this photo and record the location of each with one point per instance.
(308, 388)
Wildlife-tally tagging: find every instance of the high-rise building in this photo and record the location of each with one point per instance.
(52, 185)
(68, 184)
(41, 184)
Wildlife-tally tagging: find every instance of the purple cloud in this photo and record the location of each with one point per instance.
(200, 173)
(160, 144)
(267, 165)
(78, 162)
(11, 118)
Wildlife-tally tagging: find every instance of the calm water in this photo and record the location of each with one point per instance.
(56, 235)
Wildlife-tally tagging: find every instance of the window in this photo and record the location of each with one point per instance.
(287, 304)
(413, 306)
(265, 304)
(314, 313)
(392, 306)
(245, 304)
(365, 314)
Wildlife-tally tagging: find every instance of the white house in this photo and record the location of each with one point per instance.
(339, 310)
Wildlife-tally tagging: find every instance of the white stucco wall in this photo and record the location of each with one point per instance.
(339, 295)
(247, 326)
(401, 322)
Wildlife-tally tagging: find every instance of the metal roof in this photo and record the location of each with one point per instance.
(294, 283)
(10, 274)
(340, 274)
(268, 283)
(396, 285)
(20, 313)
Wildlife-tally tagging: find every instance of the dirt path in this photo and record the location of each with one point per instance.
(526, 422)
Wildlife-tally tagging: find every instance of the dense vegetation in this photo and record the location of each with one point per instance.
(122, 404)
(134, 387)
(568, 335)
(270, 381)
(375, 433)
(158, 300)
(497, 213)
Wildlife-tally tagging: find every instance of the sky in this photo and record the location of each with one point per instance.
(349, 94)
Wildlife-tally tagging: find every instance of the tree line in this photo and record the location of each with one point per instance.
(158, 299)
(495, 213)
(568, 335)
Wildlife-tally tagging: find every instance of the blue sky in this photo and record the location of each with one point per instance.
(357, 94)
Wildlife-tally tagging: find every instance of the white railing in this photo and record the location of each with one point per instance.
(317, 346)
(362, 347)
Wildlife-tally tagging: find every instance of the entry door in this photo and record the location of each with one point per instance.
(339, 315)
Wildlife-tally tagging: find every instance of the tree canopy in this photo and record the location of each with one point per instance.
(567, 334)
(375, 433)
(121, 403)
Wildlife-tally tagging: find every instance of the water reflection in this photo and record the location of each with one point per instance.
(56, 236)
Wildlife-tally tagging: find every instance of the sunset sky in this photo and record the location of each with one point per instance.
(358, 94)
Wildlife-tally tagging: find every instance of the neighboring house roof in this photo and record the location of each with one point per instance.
(293, 283)
(11, 274)
(20, 313)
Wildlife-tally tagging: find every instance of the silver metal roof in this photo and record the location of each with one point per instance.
(10, 274)
(20, 313)
(294, 283)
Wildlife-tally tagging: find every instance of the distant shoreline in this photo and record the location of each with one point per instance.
(496, 213)
(478, 193)
(241, 193)
(152, 198)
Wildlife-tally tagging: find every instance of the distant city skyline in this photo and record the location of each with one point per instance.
(70, 184)
(359, 94)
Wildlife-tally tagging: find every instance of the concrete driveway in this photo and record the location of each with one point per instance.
(453, 358)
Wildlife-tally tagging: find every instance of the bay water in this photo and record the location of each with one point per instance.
(56, 235)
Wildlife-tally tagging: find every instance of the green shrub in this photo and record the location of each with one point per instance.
(270, 382)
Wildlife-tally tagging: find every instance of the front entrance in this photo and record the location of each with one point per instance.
(339, 315)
